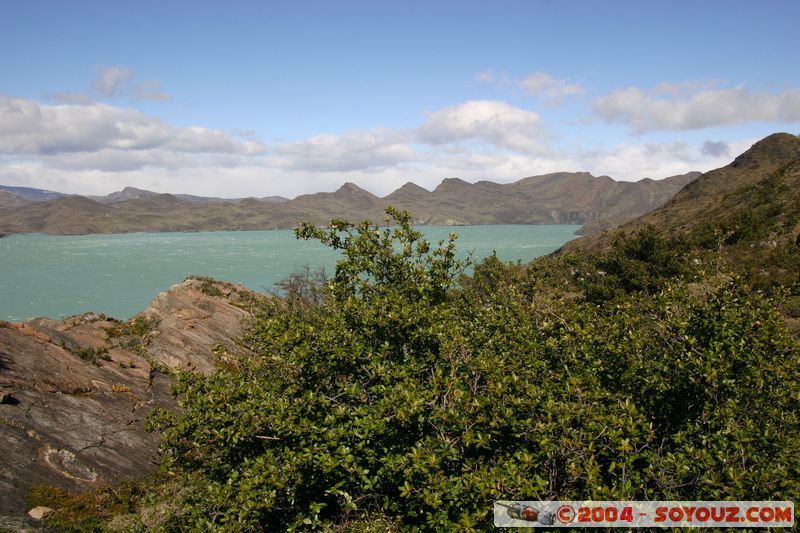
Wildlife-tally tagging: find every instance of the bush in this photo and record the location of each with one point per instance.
(92, 355)
(399, 398)
(642, 262)
(89, 511)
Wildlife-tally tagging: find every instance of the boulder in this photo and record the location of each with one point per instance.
(38, 513)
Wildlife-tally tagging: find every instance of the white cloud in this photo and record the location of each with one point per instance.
(634, 161)
(115, 160)
(111, 80)
(117, 80)
(691, 106)
(367, 150)
(27, 127)
(544, 85)
(495, 122)
(630, 161)
(121, 160)
(150, 90)
(70, 98)
(538, 84)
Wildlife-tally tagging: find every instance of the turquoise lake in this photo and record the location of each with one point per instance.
(118, 275)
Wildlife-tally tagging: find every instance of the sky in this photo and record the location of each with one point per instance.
(238, 98)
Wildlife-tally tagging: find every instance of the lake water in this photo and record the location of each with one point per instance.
(118, 275)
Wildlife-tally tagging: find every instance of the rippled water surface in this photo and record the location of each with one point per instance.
(59, 276)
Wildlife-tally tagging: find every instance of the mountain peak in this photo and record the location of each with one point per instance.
(450, 184)
(351, 188)
(411, 186)
(770, 150)
(408, 192)
(128, 193)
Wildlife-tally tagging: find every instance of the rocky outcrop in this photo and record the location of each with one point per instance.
(190, 322)
(75, 393)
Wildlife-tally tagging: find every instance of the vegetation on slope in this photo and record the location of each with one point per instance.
(752, 202)
(400, 393)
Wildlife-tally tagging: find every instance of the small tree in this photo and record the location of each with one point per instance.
(390, 281)
(395, 259)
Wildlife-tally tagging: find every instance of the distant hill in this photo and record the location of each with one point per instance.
(560, 198)
(755, 200)
(50, 216)
(9, 199)
(128, 193)
(34, 195)
(132, 193)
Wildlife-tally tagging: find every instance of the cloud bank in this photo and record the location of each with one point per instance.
(495, 122)
(537, 84)
(368, 151)
(693, 106)
(30, 128)
(554, 89)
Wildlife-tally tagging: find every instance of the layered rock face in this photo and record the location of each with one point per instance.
(74, 393)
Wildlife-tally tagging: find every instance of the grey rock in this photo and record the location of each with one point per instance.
(78, 424)
(38, 513)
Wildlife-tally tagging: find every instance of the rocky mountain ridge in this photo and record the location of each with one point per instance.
(559, 198)
(759, 191)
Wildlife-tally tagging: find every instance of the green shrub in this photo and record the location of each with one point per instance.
(92, 355)
(397, 397)
(88, 511)
(137, 327)
(642, 262)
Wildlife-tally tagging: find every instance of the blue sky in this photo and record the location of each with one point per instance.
(264, 98)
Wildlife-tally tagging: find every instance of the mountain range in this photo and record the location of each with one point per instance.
(558, 198)
(753, 202)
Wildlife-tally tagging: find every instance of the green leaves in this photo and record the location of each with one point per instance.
(392, 394)
(393, 261)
